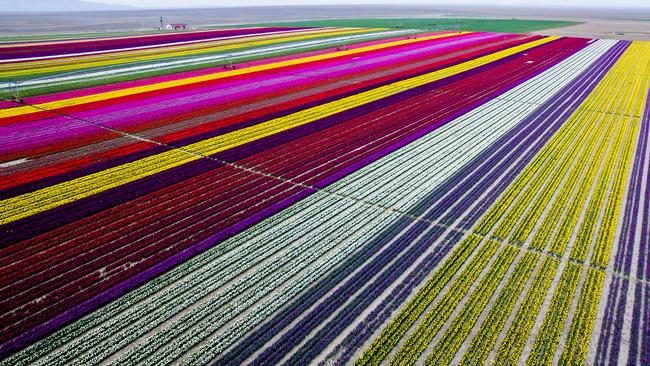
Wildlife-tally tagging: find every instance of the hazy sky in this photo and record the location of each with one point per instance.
(193, 3)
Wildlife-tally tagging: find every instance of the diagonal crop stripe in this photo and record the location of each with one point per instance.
(19, 111)
(55, 38)
(90, 61)
(62, 55)
(25, 205)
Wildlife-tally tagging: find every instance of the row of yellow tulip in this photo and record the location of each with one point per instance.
(549, 335)
(545, 182)
(549, 153)
(566, 153)
(606, 192)
(588, 160)
(460, 328)
(564, 179)
(577, 344)
(632, 67)
(515, 339)
(436, 317)
(607, 229)
(495, 321)
(591, 217)
(574, 209)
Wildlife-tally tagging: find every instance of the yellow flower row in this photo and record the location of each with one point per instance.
(631, 97)
(591, 217)
(28, 204)
(572, 166)
(543, 234)
(548, 178)
(635, 75)
(446, 349)
(566, 153)
(549, 335)
(495, 321)
(548, 153)
(515, 340)
(574, 210)
(607, 229)
(633, 68)
(577, 344)
(437, 316)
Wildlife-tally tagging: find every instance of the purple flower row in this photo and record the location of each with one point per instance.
(641, 303)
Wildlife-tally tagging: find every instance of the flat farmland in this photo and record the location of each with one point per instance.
(324, 194)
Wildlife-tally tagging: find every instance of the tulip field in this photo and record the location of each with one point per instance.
(327, 196)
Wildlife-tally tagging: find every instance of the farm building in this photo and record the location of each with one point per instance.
(177, 26)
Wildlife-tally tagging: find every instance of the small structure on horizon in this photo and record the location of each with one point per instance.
(175, 26)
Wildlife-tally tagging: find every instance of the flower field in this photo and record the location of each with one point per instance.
(302, 195)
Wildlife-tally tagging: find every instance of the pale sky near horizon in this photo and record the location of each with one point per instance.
(196, 3)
